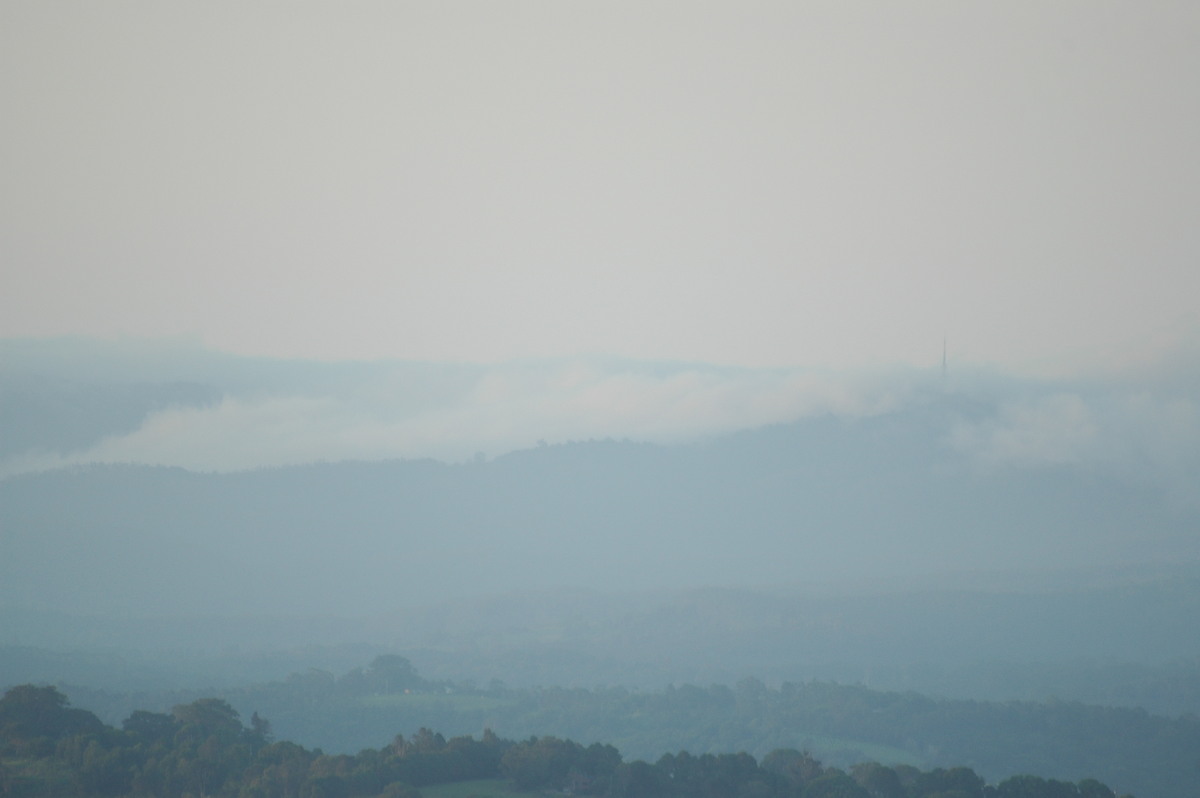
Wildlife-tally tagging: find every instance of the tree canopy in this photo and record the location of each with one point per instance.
(202, 749)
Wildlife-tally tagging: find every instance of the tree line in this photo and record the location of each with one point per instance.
(841, 724)
(202, 748)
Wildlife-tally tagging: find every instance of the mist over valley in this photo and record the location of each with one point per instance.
(627, 400)
(908, 530)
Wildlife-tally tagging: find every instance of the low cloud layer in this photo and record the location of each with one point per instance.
(243, 413)
(501, 409)
(1057, 429)
(1140, 435)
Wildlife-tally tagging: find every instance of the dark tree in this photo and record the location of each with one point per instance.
(1090, 788)
(834, 784)
(798, 767)
(877, 780)
(209, 717)
(639, 780)
(29, 714)
(150, 727)
(389, 673)
(958, 781)
(1035, 787)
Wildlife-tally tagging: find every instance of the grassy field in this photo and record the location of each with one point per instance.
(835, 749)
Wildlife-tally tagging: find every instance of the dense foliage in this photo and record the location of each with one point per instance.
(202, 748)
(841, 724)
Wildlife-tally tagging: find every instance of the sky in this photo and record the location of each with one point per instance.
(794, 184)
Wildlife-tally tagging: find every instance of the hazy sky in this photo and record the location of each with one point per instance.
(783, 184)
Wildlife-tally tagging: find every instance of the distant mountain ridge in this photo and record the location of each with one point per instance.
(590, 561)
(826, 501)
(906, 541)
(822, 500)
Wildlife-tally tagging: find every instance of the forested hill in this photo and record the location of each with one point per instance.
(202, 748)
(853, 502)
(840, 724)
